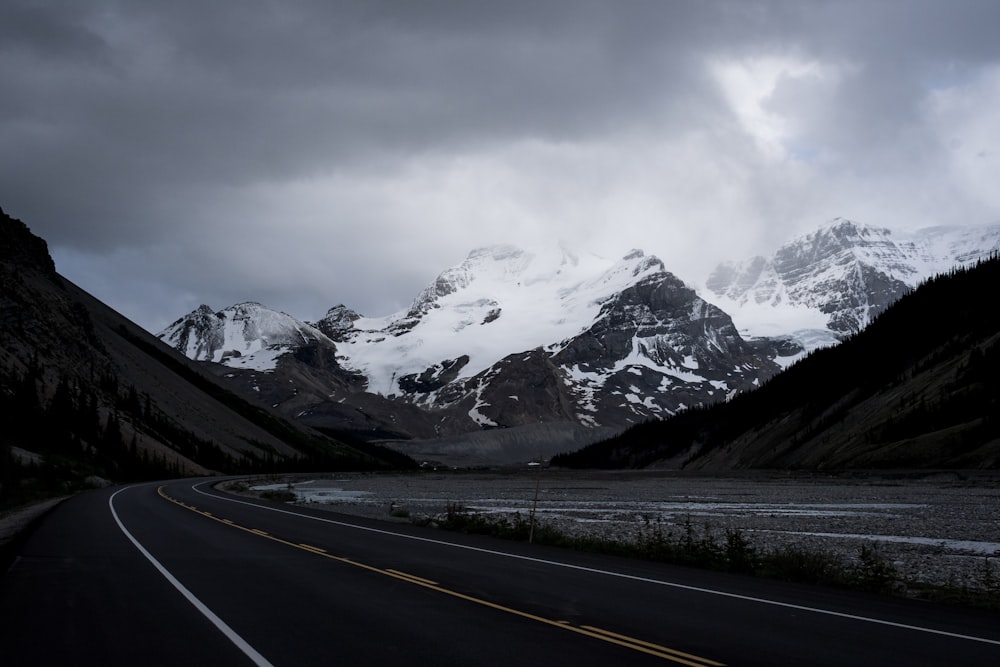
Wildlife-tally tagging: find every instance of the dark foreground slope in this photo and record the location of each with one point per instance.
(917, 389)
(84, 392)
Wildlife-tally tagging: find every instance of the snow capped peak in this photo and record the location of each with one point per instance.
(496, 253)
(841, 241)
(845, 228)
(508, 263)
(833, 281)
(500, 300)
(247, 334)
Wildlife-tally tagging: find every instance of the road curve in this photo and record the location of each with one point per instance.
(178, 573)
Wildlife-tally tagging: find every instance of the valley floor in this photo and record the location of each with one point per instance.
(938, 529)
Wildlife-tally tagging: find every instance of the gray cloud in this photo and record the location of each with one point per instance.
(305, 154)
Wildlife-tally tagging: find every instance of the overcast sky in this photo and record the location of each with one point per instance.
(305, 154)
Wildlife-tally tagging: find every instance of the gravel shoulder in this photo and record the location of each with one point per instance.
(16, 520)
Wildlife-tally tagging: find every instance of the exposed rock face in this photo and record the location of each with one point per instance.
(19, 246)
(38, 317)
(198, 334)
(338, 322)
(433, 378)
(658, 348)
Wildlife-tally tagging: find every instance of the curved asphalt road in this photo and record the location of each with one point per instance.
(179, 574)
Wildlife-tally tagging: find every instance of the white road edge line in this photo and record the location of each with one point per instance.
(230, 634)
(696, 589)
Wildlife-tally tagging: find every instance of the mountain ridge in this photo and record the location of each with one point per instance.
(833, 281)
(648, 347)
(511, 337)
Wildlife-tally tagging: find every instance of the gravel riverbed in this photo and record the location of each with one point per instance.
(941, 529)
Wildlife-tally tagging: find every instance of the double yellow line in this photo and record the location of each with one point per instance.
(586, 630)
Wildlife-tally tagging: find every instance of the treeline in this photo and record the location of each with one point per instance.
(54, 439)
(65, 434)
(949, 317)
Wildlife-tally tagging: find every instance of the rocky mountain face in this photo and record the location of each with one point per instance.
(39, 317)
(19, 247)
(508, 338)
(656, 348)
(825, 285)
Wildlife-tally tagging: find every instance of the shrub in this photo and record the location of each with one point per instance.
(872, 572)
(800, 565)
(281, 496)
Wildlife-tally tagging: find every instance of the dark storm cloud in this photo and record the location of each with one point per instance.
(288, 148)
(119, 109)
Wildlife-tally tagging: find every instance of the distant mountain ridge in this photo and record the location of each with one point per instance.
(514, 338)
(832, 282)
(519, 354)
(510, 337)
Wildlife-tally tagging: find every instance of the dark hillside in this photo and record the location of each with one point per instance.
(918, 388)
(85, 393)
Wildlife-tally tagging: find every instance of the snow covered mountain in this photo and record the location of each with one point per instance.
(506, 338)
(511, 338)
(499, 301)
(246, 335)
(822, 286)
(602, 334)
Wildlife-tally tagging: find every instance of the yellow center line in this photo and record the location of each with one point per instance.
(586, 630)
(680, 654)
(413, 577)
